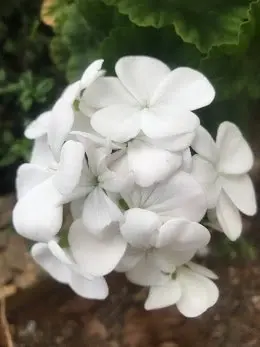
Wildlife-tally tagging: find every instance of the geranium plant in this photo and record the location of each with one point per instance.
(143, 180)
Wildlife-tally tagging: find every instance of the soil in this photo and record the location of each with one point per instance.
(43, 313)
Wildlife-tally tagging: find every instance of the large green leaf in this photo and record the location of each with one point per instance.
(235, 69)
(203, 23)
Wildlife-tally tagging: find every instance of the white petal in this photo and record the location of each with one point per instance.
(205, 174)
(129, 260)
(167, 259)
(106, 91)
(99, 211)
(186, 161)
(163, 296)
(97, 256)
(145, 273)
(38, 215)
(173, 143)
(95, 288)
(201, 270)
(70, 167)
(39, 126)
(163, 121)
(61, 254)
(179, 196)
(141, 75)
(91, 73)
(41, 154)
(140, 227)
(29, 176)
(241, 191)
(43, 256)
(76, 208)
(228, 217)
(150, 164)
(185, 87)
(198, 293)
(181, 234)
(60, 124)
(204, 145)
(235, 155)
(118, 122)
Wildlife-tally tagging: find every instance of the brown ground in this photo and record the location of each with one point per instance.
(42, 313)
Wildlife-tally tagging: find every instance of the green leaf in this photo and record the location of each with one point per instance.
(203, 23)
(234, 70)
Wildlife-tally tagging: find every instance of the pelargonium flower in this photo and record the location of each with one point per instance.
(146, 95)
(190, 287)
(156, 248)
(178, 196)
(42, 191)
(222, 169)
(60, 264)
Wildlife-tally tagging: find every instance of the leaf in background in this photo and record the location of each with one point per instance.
(235, 69)
(203, 23)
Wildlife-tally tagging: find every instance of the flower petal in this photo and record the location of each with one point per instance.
(185, 87)
(186, 161)
(173, 143)
(43, 256)
(140, 227)
(41, 154)
(141, 75)
(198, 293)
(235, 155)
(76, 208)
(95, 288)
(62, 120)
(204, 145)
(92, 72)
(38, 215)
(205, 174)
(164, 121)
(181, 234)
(163, 296)
(179, 196)
(201, 270)
(129, 260)
(146, 273)
(99, 211)
(106, 91)
(60, 253)
(29, 176)
(150, 164)
(118, 122)
(70, 167)
(241, 191)
(96, 256)
(228, 217)
(39, 126)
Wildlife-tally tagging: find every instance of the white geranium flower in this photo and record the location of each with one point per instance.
(96, 254)
(190, 288)
(179, 196)
(64, 117)
(153, 160)
(221, 168)
(146, 95)
(60, 264)
(42, 191)
(157, 248)
(99, 210)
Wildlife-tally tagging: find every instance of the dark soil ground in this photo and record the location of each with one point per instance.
(42, 313)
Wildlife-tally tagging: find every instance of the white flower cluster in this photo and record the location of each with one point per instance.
(118, 150)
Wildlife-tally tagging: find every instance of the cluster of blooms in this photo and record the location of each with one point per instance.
(119, 151)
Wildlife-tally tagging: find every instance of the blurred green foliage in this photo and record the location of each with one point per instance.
(29, 80)
(220, 38)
